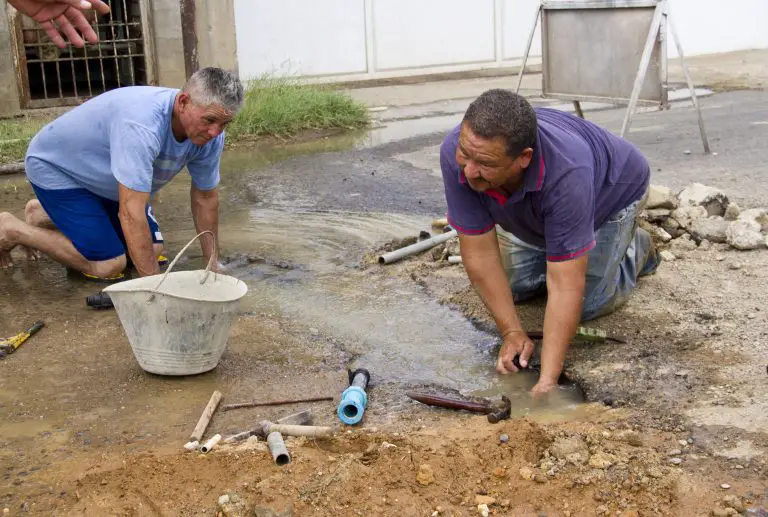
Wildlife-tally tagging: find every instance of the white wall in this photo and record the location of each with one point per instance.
(365, 39)
(713, 26)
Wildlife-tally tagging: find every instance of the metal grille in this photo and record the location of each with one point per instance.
(50, 76)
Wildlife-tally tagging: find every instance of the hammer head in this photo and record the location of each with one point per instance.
(503, 412)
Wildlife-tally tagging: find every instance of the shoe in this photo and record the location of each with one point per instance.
(651, 262)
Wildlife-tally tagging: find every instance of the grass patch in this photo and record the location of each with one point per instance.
(15, 134)
(281, 106)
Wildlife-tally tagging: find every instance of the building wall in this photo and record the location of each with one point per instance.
(9, 89)
(365, 39)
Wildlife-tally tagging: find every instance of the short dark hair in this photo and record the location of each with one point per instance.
(506, 114)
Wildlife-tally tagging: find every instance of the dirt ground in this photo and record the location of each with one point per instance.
(676, 425)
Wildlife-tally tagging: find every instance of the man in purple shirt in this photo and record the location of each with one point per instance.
(565, 194)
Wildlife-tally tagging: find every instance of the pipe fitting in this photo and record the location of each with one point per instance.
(210, 444)
(354, 399)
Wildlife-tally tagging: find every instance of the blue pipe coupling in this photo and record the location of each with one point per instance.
(354, 399)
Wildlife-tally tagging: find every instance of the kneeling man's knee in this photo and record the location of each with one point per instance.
(108, 268)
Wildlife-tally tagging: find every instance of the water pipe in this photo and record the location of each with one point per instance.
(278, 449)
(210, 444)
(407, 251)
(354, 399)
(455, 259)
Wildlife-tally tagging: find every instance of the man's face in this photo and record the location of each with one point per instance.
(202, 123)
(485, 163)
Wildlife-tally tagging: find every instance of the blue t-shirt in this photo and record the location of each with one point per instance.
(579, 177)
(124, 136)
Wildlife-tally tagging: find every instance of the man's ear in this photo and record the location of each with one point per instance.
(183, 100)
(525, 157)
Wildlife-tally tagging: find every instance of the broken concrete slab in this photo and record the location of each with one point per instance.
(661, 197)
(732, 212)
(659, 234)
(713, 200)
(710, 228)
(745, 235)
(758, 215)
(656, 215)
(686, 215)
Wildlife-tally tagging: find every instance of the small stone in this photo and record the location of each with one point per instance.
(732, 212)
(654, 473)
(735, 266)
(745, 235)
(682, 373)
(739, 467)
(719, 512)
(483, 510)
(435, 513)
(526, 473)
(667, 256)
(751, 315)
(758, 215)
(485, 500)
(705, 245)
(687, 152)
(659, 234)
(734, 502)
(224, 499)
(660, 197)
(684, 443)
(683, 243)
(6, 511)
(725, 486)
(562, 447)
(602, 510)
(314, 331)
(425, 476)
(504, 438)
(676, 461)
(656, 215)
(689, 441)
(601, 460)
(713, 200)
(674, 452)
(499, 472)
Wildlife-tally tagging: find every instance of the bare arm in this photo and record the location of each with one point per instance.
(133, 220)
(565, 291)
(205, 214)
(481, 258)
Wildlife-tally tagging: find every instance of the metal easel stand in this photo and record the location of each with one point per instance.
(576, 104)
(662, 18)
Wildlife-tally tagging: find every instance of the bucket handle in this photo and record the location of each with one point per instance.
(178, 256)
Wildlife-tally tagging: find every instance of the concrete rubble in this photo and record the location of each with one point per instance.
(703, 217)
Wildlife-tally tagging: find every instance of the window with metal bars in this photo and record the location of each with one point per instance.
(50, 76)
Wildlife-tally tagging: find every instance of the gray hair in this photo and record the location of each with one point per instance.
(215, 86)
(506, 114)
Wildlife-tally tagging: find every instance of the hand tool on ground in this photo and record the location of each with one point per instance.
(11, 344)
(99, 301)
(300, 418)
(274, 403)
(496, 411)
(354, 399)
(591, 335)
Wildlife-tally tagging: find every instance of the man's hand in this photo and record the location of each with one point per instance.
(516, 343)
(63, 17)
(133, 219)
(542, 388)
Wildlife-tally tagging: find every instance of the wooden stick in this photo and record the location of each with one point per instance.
(274, 403)
(12, 168)
(205, 418)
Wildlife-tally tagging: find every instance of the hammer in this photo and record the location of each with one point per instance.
(496, 411)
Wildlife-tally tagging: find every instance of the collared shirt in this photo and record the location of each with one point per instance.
(580, 175)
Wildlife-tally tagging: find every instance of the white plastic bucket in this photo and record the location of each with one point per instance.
(181, 329)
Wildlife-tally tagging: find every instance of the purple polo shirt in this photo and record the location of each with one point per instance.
(579, 177)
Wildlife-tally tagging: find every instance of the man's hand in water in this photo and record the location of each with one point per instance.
(63, 17)
(516, 343)
(542, 388)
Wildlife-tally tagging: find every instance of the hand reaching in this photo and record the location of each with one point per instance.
(63, 18)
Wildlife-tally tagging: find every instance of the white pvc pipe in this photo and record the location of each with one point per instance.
(394, 256)
(455, 259)
(210, 444)
(191, 446)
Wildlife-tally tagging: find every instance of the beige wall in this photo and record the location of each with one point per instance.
(216, 41)
(169, 50)
(9, 90)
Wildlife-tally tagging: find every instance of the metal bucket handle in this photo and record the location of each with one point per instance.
(178, 256)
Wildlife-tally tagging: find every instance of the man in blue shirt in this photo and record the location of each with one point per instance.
(565, 194)
(94, 169)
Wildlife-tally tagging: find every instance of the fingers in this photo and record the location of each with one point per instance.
(526, 353)
(5, 259)
(53, 33)
(506, 361)
(100, 7)
(83, 25)
(65, 26)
